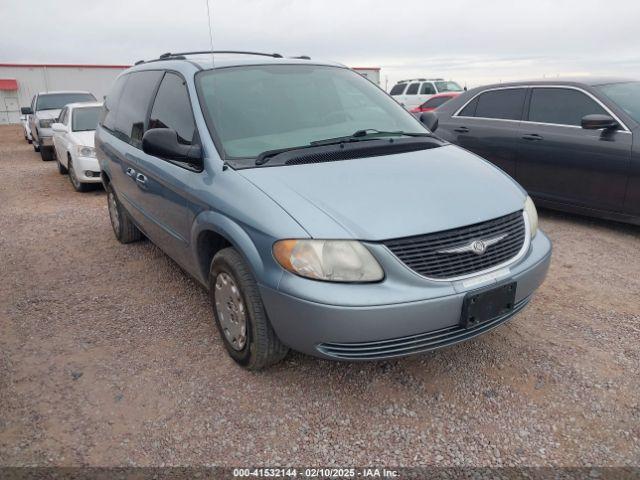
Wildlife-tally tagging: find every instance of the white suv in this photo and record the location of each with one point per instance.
(414, 92)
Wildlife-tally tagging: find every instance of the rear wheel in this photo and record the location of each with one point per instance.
(123, 227)
(240, 315)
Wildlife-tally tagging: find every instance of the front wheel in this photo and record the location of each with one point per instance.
(73, 178)
(61, 168)
(47, 153)
(240, 315)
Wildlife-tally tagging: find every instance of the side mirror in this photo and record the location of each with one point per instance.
(26, 111)
(163, 143)
(598, 121)
(58, 127)
(429, 120)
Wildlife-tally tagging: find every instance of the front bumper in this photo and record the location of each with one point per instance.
(87, 169)
(393, 329)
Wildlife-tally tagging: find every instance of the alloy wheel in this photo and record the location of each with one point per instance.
(231, 311)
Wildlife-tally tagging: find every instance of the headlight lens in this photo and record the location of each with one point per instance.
(532, 213)
(86, 151)
(329, 260)
(47, 122)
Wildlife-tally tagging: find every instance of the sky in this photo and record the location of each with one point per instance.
(472, 42)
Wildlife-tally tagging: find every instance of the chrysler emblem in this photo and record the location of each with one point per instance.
(476, 246)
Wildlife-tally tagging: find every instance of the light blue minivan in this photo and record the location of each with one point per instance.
(320, 214)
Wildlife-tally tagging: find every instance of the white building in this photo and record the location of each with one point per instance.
(372, 73)
(20, 82)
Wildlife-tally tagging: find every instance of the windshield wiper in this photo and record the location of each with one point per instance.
(369, 134)
(357, 136)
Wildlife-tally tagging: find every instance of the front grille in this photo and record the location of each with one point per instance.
(424, 342)
(423, 253)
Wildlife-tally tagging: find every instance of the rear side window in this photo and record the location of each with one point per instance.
(134, 105)
(427, 89)
(172, 109)
(109, 110)
(503, 104)
(435, 102)
(562, 106)
(398, 88)
(470, 109)
(413, 89)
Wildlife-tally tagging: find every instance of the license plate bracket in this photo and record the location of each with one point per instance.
(479, 306)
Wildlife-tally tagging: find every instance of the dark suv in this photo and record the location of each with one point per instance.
(572, 144)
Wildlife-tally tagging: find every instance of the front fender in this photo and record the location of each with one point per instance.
(256, 249)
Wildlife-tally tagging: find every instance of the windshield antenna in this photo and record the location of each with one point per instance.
(210, 31)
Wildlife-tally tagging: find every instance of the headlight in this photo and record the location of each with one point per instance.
(47, 122)
(532, 213)
(329, 260)
(86, 151)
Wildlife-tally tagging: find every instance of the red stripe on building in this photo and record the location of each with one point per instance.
(8, 84)
(59, 65)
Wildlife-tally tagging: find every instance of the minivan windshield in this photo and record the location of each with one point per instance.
(448, 87)
(625, 95)
(85, 118)
(55, 101)
(254, 109)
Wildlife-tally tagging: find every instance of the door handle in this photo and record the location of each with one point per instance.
(130, 172)
(461, 130)
(141, 180)
(532, 136)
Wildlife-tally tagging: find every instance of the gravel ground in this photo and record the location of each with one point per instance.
(108, 356)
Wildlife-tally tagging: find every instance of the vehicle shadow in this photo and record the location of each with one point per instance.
(547, 215)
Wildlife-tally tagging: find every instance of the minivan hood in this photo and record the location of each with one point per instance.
(391, 196)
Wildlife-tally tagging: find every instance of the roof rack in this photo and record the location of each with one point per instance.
(170, 55)
(422, 80)
(183, 55)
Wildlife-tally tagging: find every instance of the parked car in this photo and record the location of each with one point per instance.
(43, 112)
(352, 233)
(411, 93)
(434, 102)
(25, 128)
(573, 144)
(73, 140)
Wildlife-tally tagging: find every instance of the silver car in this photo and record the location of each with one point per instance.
(43, 112)
(334, 224)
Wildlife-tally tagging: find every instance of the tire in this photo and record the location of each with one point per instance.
(36, 147)
(124, 229)
(73, 178)
(262, 348)
(29, 140)
(47, 154)
(61, 168)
